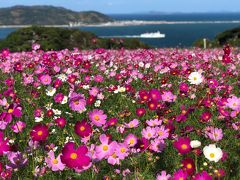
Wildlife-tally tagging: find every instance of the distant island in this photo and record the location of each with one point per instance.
(48, 15)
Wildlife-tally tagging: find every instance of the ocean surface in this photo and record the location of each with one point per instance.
(180, 30)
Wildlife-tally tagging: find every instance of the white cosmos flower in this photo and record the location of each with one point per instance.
(65, 100)
(195, 144)
(62, 77)
(38, 119)
(212, 153)
(195, 78)
(50, 91)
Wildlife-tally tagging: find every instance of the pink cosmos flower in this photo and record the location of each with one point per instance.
(215, 134)
(149, 133)
(16, 160)
(154, 122)
(94, 91)
(18, 126)
(97, 117)
(162, 132)
(55, 164)
(132, 124)
(157, 145)
(77, 102)
(45, 79)
(182, 145)
(163, 176)
(233, 103)
(168, 96)
(122, 150)
(106, 148)
(131, 140)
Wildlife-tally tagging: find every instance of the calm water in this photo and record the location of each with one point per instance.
(182, 35)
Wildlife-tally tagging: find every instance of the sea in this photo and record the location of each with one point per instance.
(162, 30)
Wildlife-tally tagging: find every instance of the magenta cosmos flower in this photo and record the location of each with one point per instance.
(97, 117)
(4, 147)
(83, 129)
(45, 79)
(55, 164)
(188, 165)
(180, 175)
(75, 158)
(202, 176)
(39, 132)
(183, 145)
(13, 111)
(77, 102)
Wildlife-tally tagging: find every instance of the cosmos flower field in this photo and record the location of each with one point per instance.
(120, 114)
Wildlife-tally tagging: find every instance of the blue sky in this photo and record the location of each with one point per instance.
(135, 6)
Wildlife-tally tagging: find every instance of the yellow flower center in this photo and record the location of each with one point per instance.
(105, 148)
(39, 133)
(10, 110)
(160, 133)
(181, 178)
(76, 102)
(82, 128)
(122, 150)
(131, 141)
(212, 155)
(149, 134)
(195, 78)
(234, 104)
(184, 146)
(96, 117)
(189, 166)
(54, 161)
(73, 156)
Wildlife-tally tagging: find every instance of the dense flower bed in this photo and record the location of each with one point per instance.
(120, 114)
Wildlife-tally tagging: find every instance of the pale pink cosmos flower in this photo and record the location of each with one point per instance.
(162, 132)
(18, 126)
(132, 124)
(233, 103)
(168, 96)
(122, 150)
(105, 149)
(149, 133)
(154, 122)
(163, 176)
(131, 140)
(94, 91)
(157, 145)
(214, 134)
(55, 164)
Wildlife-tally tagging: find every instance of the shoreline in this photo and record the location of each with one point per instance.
(124, 23)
